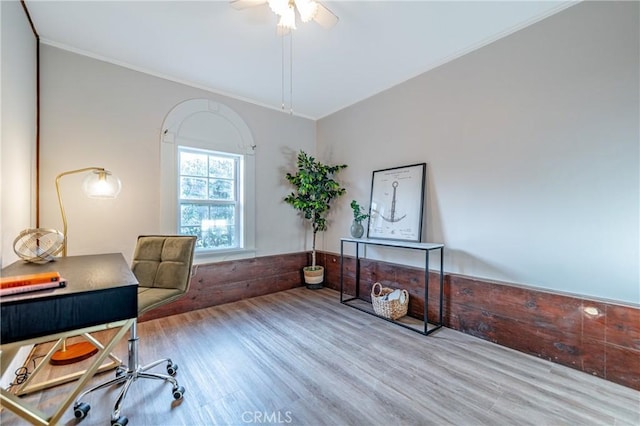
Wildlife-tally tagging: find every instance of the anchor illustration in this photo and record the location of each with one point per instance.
(392, 218)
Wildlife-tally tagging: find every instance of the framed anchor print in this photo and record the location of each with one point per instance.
(397, 200)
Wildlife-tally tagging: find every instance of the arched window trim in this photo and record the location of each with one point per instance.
(170, 140)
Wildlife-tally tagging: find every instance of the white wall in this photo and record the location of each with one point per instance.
(18, 144)
(532, 150)
(18, 124)
(99, 114)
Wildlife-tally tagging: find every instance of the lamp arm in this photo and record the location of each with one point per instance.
(64, 216)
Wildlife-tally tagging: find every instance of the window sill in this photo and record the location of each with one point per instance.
(223, 255)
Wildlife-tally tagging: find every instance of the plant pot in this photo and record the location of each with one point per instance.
(313, 276)
(357, 230)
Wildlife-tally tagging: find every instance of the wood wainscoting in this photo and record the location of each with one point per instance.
(598, 337)
(229, 281)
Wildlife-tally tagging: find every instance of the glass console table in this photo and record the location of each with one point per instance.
(424, 327)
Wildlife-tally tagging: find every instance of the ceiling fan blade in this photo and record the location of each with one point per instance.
(245, 4)
(324, 17)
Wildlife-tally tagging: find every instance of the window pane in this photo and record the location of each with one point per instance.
(192, 230)
(221, 189)
(193, 214)
(226, 212)
(193, 164)
(222, 167)
(214, 225)
(193, 188)
(219, 230)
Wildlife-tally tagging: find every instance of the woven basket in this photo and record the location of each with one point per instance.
(392, 309)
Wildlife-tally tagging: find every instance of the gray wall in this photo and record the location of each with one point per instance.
(98, 114)
(532, 150)
(18, 123)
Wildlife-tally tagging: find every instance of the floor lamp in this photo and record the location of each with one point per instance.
(99, 183)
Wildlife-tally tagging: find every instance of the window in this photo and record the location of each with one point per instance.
(208, 198)
(207, 184)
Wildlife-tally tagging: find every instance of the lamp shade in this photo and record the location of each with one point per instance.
(101, 184)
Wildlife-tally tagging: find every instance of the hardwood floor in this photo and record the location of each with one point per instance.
(300, 357)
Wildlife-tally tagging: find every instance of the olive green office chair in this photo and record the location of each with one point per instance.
(162, 265)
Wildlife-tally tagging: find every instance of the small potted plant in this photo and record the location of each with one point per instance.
(357, 230)
(315, 189)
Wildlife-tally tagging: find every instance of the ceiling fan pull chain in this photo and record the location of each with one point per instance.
(291, 73)
(282, 83)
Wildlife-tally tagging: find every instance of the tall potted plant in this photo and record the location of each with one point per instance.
(315, 189)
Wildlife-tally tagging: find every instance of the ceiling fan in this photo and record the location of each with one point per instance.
(286, 10)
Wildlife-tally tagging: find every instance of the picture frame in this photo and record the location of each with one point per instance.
(396, 204)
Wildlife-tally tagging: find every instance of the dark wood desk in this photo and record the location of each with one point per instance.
(101, 293)
(100, 289)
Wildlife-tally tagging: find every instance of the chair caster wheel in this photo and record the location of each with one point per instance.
(122, 421)
(178, 392)
(172, 369)
(80, 410)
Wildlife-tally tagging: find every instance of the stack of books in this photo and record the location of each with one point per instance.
(32, 282)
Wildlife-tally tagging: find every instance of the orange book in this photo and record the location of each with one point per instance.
(30, 279)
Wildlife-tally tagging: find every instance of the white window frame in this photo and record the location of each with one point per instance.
(236, 202)
(226, 132)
